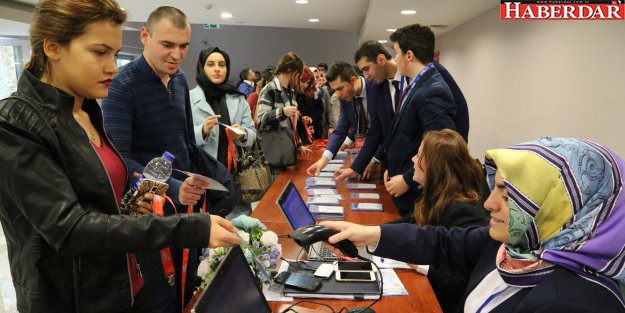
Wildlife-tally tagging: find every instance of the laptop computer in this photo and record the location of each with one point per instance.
(232, 289)
(298, 215)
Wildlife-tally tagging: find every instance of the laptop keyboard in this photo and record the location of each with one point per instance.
(318, 251)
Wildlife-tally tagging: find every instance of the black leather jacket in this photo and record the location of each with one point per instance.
(66, 239)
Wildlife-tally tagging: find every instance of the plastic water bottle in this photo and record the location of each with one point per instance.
(158, 169)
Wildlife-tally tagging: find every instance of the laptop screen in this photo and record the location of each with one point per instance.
(232, 289)
(294, 207)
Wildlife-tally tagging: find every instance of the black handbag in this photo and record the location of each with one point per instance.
(278, 147)
(254, 176)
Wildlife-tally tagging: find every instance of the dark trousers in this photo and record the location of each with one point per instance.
(142, 304)
(166, 298)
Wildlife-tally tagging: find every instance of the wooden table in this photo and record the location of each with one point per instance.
(421, 298)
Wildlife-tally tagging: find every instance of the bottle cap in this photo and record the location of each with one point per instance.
(169, 156)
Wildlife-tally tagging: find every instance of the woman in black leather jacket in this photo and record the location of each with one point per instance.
(67, 242)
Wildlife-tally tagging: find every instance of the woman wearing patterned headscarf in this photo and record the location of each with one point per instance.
(215, 100)
(555, 241)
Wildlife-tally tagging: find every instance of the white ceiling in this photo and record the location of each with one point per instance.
(370, 18)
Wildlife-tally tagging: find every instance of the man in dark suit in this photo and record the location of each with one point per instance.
(425, 104)
(354, 95)
(376, 63)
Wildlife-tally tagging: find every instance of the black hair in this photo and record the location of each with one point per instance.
(416, 38)
(370, 51)
(324, 65)
(243, 75)
(342, 70)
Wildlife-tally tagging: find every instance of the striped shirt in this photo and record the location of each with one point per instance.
(144, 118)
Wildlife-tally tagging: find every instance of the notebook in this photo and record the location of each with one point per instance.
(298, 215)
(232, 289)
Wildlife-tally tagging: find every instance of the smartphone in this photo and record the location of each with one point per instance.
(129, 204)
(354, 266)
(355, 276)
(300, 281)
(152, 186)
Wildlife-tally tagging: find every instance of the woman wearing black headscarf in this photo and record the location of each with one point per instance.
(215, 101)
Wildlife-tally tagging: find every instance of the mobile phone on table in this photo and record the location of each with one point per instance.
(300, 281)
(355, 276)
(354, 266)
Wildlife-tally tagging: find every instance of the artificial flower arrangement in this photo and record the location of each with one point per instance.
(263, 243)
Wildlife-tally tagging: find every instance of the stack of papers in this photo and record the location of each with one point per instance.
(325, 199)
(389, 263)
(367, 207)
(372, 196)
(321, 192)
(320, 182)
(327, 212)
(332, 167)
(360, 186)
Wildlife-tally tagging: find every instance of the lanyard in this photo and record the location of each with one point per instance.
(232, 153)
(416, 80)
(166, 259)
(488, 300)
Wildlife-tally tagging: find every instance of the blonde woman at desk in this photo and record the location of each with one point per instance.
(555, 241)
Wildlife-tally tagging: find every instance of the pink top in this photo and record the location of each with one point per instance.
(117, 173)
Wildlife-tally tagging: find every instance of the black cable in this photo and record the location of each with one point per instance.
(290, 308)
(297, 263)
(381, 281)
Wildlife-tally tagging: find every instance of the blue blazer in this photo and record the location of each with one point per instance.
(462, 109)
(472, 250)
(347, 120)
(429, 106)
(381, 117)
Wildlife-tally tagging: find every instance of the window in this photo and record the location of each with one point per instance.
(10, 68)
(123, 59)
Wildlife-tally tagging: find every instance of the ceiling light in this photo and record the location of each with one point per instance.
(391, 30)
(301, 1)
(408, 12)
(382, 41)
(226, 15)
(313, 20)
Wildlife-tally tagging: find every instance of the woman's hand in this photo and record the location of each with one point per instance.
(290, 111)
(222, 233)
(359, 235)
(304, 150)
(307, 120)
(241, 136)
(209, 123)
(145, 205)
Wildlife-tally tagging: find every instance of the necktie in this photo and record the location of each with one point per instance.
(396, 99)
(361, 117)
(403, 94)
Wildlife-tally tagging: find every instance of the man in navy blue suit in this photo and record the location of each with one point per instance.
(425, 104)
(376, 64)
(353, 92)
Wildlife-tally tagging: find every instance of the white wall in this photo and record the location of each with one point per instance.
(525, 79)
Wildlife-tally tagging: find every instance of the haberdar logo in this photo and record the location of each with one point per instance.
(562, 10)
